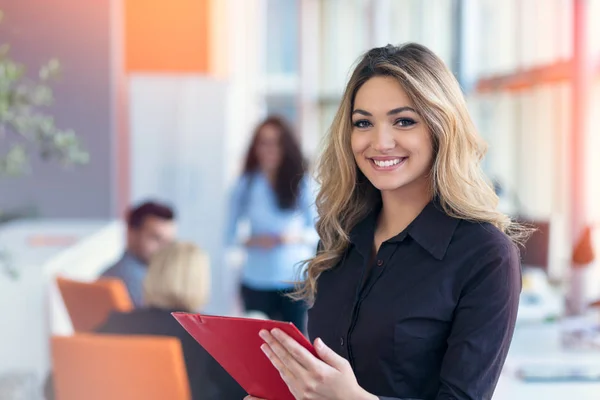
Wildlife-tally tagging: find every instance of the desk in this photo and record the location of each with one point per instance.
(541, 344)
(30, 307)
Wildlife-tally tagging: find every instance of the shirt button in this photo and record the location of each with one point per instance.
(341, 341)
(379, 263)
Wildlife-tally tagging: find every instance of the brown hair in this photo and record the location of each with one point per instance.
(137, 215)
(292, 167)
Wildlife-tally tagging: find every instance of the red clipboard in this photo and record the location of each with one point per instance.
(235, 344)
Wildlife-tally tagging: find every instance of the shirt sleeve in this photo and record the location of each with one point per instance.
(133, 279)
(135, 287)
(235, 211)
(309, 211)
(482, 328)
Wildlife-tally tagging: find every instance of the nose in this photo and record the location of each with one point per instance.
(383, 139)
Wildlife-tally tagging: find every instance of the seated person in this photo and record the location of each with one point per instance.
(178, 279)
(150, 226)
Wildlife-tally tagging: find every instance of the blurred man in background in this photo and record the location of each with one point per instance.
(150, 227)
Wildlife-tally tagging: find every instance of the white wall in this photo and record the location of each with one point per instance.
(179, 155)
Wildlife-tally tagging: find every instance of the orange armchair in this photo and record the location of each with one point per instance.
(116, 367)
(90, 303)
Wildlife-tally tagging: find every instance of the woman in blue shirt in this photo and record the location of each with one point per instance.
(273, 195)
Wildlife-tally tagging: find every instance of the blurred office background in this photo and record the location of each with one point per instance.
(164, 96)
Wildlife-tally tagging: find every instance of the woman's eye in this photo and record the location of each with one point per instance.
(404, 122)
(363, 123)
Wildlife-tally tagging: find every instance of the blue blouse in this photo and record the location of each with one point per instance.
(254, 201)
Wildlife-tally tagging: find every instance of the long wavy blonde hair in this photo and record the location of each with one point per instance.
(457, 181)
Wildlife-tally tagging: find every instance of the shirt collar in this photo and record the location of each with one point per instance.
(432, 229)
(129, 257)
(361, 236)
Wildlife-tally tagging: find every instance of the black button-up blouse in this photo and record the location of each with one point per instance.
(436, 311)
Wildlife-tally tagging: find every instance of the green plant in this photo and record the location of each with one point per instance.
(24, 127)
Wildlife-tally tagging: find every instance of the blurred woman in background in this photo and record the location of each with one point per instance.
(273, 196)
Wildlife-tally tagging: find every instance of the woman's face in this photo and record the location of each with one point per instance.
(390, 141)
(268, 148)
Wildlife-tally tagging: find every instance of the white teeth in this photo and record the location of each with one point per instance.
(387, 163)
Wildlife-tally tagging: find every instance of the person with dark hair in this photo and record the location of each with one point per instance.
(274, 196)
(150, 226)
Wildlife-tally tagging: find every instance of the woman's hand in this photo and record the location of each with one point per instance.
(307, 377)
(292, 238)
(266, 242)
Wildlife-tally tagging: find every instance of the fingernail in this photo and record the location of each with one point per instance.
(264, 349)
(276, 332)
(263, 334)
(319, 343)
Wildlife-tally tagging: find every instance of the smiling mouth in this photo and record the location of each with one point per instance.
(389, 163)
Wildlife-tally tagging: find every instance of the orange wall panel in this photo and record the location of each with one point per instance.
(167, 36)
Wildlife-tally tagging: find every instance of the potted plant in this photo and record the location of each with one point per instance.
(26, 128)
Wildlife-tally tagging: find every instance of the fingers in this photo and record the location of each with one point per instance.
(285, 372)
(329, 356)
(281, 359)
(289, 351)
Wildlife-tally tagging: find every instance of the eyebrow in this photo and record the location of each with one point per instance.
(391, 112)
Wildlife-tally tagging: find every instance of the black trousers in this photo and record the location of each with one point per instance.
(276, 305)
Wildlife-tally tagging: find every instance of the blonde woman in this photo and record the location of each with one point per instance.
(178, 279)
(416, 283)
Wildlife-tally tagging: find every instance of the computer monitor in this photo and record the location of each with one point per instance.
(536, 249)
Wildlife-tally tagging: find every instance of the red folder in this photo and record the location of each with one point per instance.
(235, 344)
